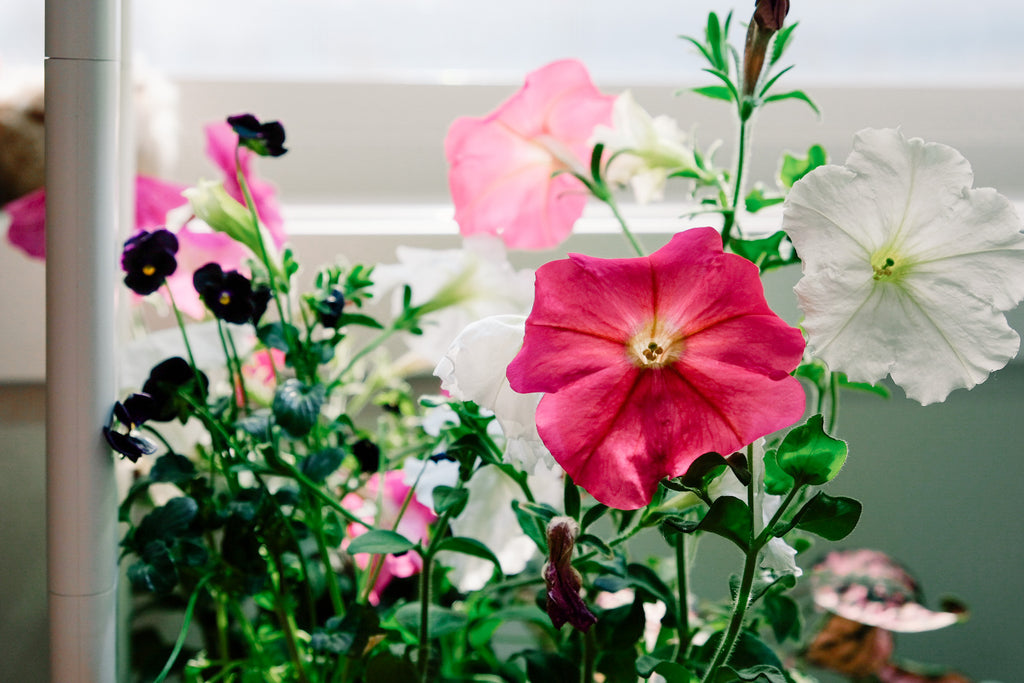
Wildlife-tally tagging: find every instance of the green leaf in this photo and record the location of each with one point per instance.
(318, 466)
(702, 471)
(532, 526)
(766, 252)
(809, 455)
(469, 546)
(450, 498)
(380, 542)
(761, 673)
(776, 481)
(757, 200)
(831, 518)
(166, 522)
(571, 498)
(715, 92)
(389, 668)
(667, 669)
(548, 667)
(275, 335)
(724, 77)
(713, 32)
(781, 42)
(172, 468)
(441, 621)
(727, 517)
(643, 578)
(593, 514)
(794, 95)
(783, 615)
(297, 406)
(794, 168)
(358, 319)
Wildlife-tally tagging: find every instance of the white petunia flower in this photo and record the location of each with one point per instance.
(907, 269)
(458, 286)
(473, 369)
(651, 148)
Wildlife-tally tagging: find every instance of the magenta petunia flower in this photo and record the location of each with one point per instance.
(648, 363)
(502, 176)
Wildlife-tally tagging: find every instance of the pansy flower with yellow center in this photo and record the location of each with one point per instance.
(148, 258)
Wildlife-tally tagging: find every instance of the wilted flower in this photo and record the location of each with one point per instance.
(505, 175)
(648, 363)
(563, 581)
(231, 296)
(907, 270)
(645, 149)
(266, 139)
(148, 258)
(850, 648)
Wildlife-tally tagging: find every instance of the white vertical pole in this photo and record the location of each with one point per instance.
(82, 72)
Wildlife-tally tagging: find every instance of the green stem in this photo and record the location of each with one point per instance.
(833, 391)
(285, 618)
(180, 642)
(589, 656)
(683, 618)
(725, 647)
(608, 199)
(737, 179)
(423, 658)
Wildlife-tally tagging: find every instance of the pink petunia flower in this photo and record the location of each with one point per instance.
(153, 199)
(381, 508)
(648, 363)
(502, 176)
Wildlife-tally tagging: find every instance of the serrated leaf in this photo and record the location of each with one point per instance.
(297, 406)
(380, 542)
(832, 518)
(809, 455)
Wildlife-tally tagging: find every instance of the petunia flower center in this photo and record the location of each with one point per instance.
(653, 347)
(886, 268)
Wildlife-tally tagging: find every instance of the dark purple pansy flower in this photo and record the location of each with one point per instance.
(230, 296)
(330, 308)
(173, 387)
(563, 581)
(134, 411)
(148, 258)
(266, 139)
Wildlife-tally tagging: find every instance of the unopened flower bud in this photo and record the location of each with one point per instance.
(563, 581)
(769, 15)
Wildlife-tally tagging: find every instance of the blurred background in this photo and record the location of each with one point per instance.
(367, 90)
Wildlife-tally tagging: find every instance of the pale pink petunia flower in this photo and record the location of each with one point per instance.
(380, 508)
(153, 199)
(648, 363)
(505, 167)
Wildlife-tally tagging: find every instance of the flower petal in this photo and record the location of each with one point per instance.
(27, 229)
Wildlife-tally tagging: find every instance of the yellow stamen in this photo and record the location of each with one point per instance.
(225, 298)
(148, 270)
